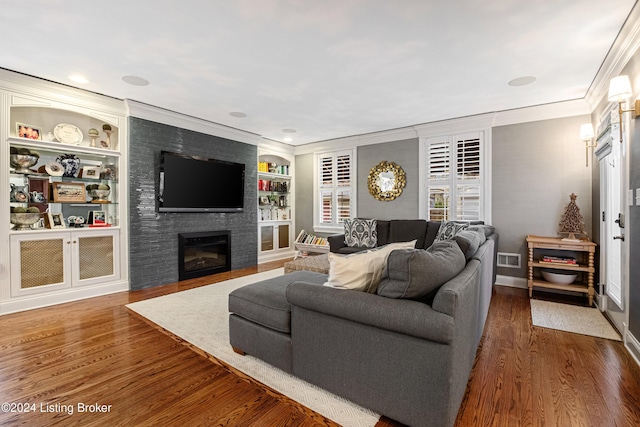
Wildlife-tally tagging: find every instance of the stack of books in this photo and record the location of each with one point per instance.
(311, 239)
(548, 259)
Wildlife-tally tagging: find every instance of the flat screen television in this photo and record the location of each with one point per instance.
(196, 184)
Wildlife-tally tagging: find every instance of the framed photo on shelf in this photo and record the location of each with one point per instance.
(69, 192)
(28, 131)
(91, 172)
(54, 220)
(97, 218)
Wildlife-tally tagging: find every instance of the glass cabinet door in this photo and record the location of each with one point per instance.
(266, 238)
(283, 236)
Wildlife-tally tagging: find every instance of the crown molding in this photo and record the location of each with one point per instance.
(33, 89)
(623, 49)
(275, 146)
(349, 142)
(458, 125)
(173, 118)
(556, 110)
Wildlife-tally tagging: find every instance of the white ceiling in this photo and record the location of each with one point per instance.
(326, 68)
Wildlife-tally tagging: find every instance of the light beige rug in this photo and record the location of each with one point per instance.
(571, 318)
(201, 317)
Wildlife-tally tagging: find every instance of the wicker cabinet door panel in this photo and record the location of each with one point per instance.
(96, 256)
(42, 263)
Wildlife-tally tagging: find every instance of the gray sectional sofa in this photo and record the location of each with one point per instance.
(407, 359)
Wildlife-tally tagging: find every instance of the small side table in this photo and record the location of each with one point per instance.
(537, 245)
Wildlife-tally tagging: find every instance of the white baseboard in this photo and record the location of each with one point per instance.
(262, 258)
(67, 295)
(633, 346)
(513, 282)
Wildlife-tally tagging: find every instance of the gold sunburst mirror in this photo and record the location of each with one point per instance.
(386, 181)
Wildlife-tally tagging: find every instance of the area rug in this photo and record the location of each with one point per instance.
(571, 318)
(201, 317)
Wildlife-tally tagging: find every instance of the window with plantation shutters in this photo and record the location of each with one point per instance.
(335, 188)
(454, 177)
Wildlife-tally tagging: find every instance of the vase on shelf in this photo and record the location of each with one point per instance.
(70, 163)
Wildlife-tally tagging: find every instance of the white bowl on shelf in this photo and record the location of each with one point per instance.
(559, 277)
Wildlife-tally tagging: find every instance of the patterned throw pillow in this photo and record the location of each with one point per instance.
(449, 229)
(360, 232)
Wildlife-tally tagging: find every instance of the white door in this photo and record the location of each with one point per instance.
(612, 229)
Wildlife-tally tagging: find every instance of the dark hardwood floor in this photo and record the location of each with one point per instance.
(129, 372)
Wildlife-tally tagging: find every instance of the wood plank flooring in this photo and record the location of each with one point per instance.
(96, 351)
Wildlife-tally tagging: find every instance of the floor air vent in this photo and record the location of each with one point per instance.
(508, 260)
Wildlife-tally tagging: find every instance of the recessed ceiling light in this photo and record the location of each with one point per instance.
(77, 78)
(135, 80)
(288, 139)
(289, 130)
(238, 114)
(522, 81)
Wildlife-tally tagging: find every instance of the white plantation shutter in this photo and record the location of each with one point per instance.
(468, 185)
(326, 170)
(335, 178)
(439, 176)
(454, 177)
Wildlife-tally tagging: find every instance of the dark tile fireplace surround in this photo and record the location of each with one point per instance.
(153, 236)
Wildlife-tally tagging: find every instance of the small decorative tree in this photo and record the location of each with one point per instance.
(571, 222)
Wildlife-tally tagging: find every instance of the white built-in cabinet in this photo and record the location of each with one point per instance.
(63, 260)
(52, 262)
(275, 205)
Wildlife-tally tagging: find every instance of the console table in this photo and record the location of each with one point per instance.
(585, 267)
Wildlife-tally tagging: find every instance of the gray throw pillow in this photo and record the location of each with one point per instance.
(469, 242)
(360, 232)
(449, 229)
(414, 273)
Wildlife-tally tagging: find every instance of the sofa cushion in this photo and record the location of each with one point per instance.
(469, 241)
(360, 232)
(382, 227)
(487, 230)
(265, 302)
(415, 273)
(449, 229)
(432, 232)
(404, 230)
(361, 271)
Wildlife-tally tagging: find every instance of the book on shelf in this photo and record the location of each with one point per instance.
(277, 169)
(311, 239)
(548, 259)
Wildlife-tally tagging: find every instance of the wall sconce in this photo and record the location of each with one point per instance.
(619, 91)
(587, 135)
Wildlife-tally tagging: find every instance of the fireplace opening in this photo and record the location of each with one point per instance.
(204, 253)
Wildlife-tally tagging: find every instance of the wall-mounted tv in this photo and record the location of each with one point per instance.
(196, 184)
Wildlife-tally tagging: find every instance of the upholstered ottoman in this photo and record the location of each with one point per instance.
(317, 263)
(260, 318)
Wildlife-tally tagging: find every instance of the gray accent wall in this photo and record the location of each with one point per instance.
(153, 236)
(535, 167)
(405, 154)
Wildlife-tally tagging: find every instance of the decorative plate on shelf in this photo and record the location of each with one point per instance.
(54, 169)
(68, 134)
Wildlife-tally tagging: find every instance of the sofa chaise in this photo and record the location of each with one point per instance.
(403, 357)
